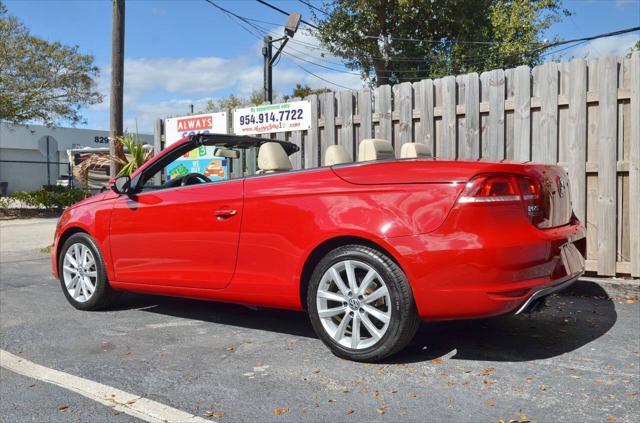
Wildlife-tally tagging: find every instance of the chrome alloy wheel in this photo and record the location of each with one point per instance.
(80, 272)
(353, 304)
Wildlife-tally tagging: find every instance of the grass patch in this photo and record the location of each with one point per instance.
(46, 250)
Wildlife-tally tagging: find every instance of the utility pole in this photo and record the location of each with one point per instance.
(117, 76)
(267, 53)
(269, 58)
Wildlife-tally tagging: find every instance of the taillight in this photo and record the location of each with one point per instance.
(532, 199)
(501, 189)
(491, 188)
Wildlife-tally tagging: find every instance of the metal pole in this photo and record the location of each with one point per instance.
(117, 76)
(157, 147)
(48, 164)
(268, 82)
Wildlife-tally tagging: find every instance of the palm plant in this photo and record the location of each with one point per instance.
(134, 157)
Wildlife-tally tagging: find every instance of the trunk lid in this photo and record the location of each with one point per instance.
(555, 195)
(554, 203)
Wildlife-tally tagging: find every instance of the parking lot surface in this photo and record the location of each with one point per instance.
(576, 360)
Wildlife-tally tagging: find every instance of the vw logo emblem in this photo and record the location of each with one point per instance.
(562, 186)
(354, 304)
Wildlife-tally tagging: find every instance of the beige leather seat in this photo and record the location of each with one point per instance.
(412, 150)
(273, 158)
(336, 154)
(375, 149)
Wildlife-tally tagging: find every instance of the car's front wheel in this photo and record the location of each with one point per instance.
(361, 305)
(82, 274)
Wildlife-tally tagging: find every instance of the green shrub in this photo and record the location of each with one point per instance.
(51, 197)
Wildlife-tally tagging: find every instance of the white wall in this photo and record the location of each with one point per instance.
(28, 142)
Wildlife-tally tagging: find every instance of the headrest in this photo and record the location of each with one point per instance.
(375, 149)
(336, 154)
(273, 158)
(412, 150)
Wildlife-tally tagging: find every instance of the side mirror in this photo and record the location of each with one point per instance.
(121, 185)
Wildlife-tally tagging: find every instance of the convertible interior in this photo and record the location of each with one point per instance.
(273, 155)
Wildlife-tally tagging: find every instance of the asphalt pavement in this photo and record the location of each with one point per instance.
(576, 360)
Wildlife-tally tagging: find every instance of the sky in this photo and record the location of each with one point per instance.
(184, 52)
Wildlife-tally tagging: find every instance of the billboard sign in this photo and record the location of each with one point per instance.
(269, 118)
(200, 160)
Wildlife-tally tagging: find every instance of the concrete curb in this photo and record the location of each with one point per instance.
(613, 287)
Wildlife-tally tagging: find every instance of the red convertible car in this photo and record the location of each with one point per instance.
(368, 249)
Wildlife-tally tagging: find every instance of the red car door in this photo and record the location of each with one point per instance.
(184, 237)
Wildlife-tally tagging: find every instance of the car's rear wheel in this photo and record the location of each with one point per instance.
(82, 274)
(360, 303)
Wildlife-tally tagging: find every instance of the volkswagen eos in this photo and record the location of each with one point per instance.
(368, 249)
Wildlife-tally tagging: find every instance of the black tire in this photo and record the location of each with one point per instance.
(103, 295)
(404, 320)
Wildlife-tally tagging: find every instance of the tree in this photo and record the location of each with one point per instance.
(392, 41)
(40, 80)
(234, 101)
(302, 91)
(632, 49)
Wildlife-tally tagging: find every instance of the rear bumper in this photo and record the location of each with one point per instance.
(561, 284)
(483, 272)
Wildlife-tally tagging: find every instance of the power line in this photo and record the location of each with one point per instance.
(285, 13)
(264, 31)
(441, 41)
(477, 59)
(313, 7)
(593, 37)
(321, 78)
(544, 45)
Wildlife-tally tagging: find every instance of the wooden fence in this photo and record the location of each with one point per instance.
(583, 115)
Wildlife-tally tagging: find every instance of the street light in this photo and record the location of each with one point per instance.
(289, 30)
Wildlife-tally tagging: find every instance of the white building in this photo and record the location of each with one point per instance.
(34, 155)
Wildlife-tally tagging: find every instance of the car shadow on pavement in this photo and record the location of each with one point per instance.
(569, 321)
(276, 320)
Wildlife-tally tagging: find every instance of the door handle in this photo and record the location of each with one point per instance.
(225, 213)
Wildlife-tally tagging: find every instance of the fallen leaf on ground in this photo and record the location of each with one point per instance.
(381, 410)
(489, 382)
(316, 370)
(331, 400)
(487, 371)
(349, 411)
(489, 404)
(213, 414)
(281, 411)
(612, 419)
(376, 393)
(436, 361)
(131, 401)
(412, 394)
(345, 391)
(229, 348)
(393, 391)
(63, 407)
